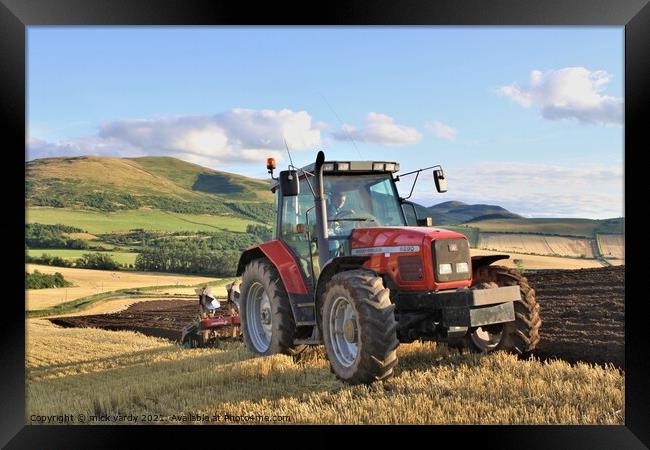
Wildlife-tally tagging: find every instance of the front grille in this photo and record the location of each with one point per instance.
(410, 268)
(451, 251)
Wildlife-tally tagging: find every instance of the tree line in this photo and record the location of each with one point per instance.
(38, 235)
(38, 280)
(201, 252)
(100, 261)
(184, 258)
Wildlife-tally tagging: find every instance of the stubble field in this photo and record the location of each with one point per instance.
(575, 378)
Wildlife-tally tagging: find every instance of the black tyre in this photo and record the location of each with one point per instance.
(267, 322)
(359, 327)
(520, 336)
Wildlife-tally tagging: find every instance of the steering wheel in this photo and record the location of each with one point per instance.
(361, 216)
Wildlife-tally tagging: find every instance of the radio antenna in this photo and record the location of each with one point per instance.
(288, 152)
(296, 168)
(349, 136)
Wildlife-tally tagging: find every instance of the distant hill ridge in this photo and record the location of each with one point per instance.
(455, 212)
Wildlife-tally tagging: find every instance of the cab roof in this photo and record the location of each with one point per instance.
(345, 167)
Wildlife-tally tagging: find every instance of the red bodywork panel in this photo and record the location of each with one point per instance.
(219, 321)
(215, 322)
(394, 237)
(280, 255)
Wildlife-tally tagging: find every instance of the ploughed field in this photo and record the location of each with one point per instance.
(582, 313)
(159, 318)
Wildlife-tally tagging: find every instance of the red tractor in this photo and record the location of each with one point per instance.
(351, 266)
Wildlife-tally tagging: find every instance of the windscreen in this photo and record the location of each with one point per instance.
(357, 201)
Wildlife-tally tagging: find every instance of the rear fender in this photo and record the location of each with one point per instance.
(486, 260)
(284, 261)
(479, 264)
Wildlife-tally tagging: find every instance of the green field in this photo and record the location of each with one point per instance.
(566, 227)
(119, 257)
(470, 232)
(106, 222)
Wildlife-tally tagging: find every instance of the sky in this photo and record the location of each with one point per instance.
(528, 118)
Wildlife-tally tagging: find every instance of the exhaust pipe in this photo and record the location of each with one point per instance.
(321, 213)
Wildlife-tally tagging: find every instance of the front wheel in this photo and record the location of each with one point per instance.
(520, 336)
(267, 322)
(359, 327)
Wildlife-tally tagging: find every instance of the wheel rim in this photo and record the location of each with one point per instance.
(259, 317)
(344, 331)
(486, 340)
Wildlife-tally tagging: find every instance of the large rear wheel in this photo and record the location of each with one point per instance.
(267, 322)
(520, 336)
(359, 327)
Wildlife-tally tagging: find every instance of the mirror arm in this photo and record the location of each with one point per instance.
(417, 173)
(413, 185)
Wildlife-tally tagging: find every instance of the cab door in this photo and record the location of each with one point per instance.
(297, 227)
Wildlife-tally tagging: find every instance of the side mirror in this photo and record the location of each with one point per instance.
(289, 184)
(426, 222)
(441, 181)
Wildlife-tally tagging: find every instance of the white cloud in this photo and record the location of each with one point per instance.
(85, 145)
(239, 135)
(380, 129)
(590, 190)
(442, 131)
(572, 92)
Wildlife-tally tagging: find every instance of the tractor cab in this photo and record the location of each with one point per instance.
(357, 194)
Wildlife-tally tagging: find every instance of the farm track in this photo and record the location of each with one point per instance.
(583, 315)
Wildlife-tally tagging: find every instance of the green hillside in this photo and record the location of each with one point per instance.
(201, 180)
(108, 184)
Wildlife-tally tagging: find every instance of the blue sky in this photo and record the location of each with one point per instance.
(529, 118)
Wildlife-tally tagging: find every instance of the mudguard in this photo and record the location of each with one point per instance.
(486, 260)
(301, 299)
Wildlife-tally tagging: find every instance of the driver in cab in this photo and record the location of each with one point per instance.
(336, 210)
(336, 205)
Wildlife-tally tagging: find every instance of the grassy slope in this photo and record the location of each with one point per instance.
(68, 373)
(150, 176)
(206, 181)
(149, 219)
(65, 253)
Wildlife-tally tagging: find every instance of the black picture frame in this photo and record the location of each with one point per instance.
(634, 15)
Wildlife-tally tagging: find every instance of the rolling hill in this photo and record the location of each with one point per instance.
(109, 184)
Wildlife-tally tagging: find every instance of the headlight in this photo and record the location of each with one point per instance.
(377, 166)
(343, 166)
(329, 167)
(462, 267)
(390, 167)
(444, 269)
